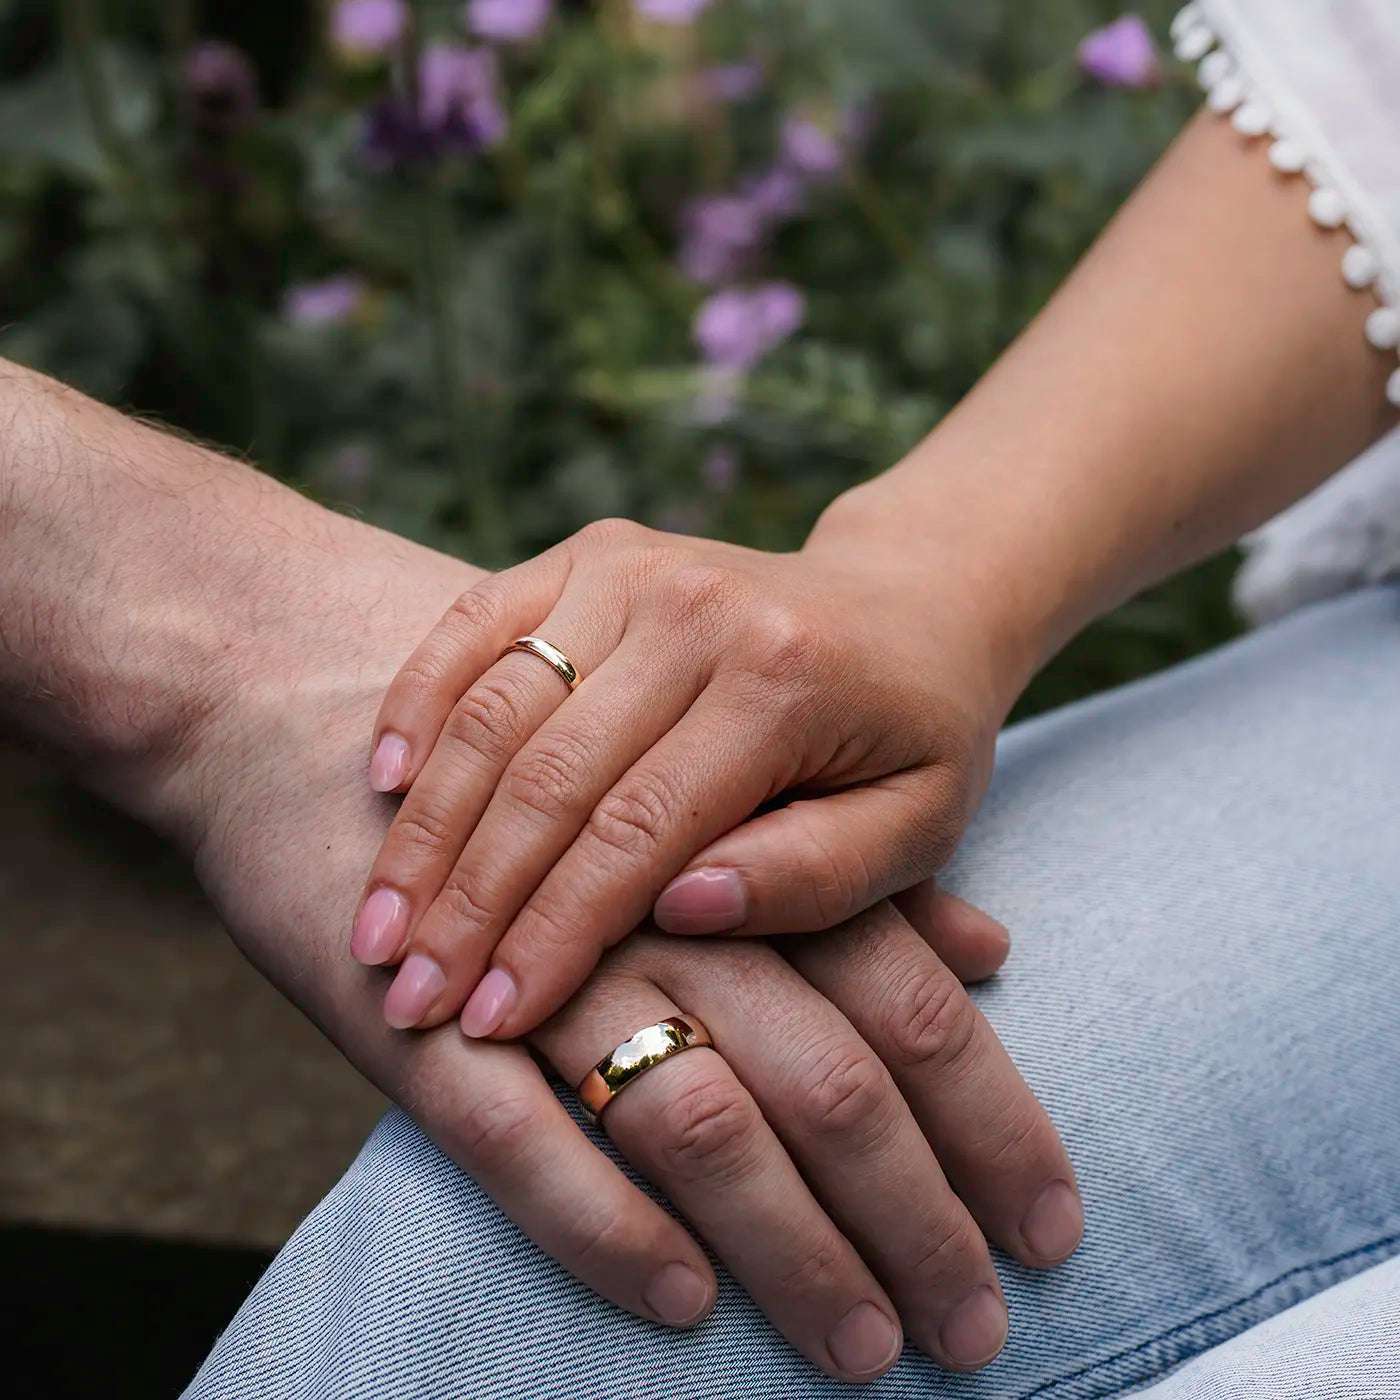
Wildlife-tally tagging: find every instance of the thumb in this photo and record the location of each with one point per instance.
(812, 864)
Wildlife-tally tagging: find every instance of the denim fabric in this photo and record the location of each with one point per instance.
(1202, 877)
(1338, 1345)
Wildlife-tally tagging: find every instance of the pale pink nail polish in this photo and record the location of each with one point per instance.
(489, 1005)
(418, 985)
(702, 901)
(389, 766)
(379, 927)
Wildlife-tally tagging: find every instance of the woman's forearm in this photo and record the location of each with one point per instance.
(1204, 366)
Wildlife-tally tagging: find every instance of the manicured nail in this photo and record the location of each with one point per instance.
(379, 927)
(489, 1005)
(702, 901)
(677, 1295)
(864, 1342)
(418, 985)
(389, 765)
(1054, 1225)
(975, 1331)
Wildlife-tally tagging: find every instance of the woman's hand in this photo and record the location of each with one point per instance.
(860, 693)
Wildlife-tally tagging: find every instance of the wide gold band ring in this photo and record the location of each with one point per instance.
(643, 1051)
(548, 653)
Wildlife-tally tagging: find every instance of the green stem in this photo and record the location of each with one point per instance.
(470, 450)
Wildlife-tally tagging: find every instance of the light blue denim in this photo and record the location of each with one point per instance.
(1202, 876)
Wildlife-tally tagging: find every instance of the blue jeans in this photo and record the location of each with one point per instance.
(1202, 877)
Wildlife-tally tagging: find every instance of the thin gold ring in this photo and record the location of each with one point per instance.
(548, 653)
(639, 1053)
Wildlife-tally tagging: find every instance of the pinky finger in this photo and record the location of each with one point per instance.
(462, 645)
(971, 943)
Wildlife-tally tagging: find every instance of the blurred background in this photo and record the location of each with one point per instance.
(480, 273)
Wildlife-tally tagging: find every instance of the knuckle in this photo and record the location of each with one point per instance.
(476, 612)
(499, 1131)
(787, 644)
(632, 819)
(423, 828)
(947, 1243)
(844, 1092)
(931, 1021)
(840, 884)
(545, 779)
(610, 531)
(709, 1129)
(456, 907)
(490, 719)
(814, 1269)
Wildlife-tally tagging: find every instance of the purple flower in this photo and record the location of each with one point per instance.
(720, 470)
(508, 21)
(810, 150)
(459, 109)
(365, 28)
(722, 232)
(323, 303)
(776, 194)
(221, 86)
(671, 11)
(737, 327)
(733, 82)
(1121, 54)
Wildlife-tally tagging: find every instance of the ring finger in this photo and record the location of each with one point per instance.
(483, 732)
(691, 1127)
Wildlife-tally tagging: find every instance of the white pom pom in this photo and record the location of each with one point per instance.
(1194, 43)
(1383, 328)
(1359, 266)
(1214, 66)
(1188, 17)
(1327, 208)
(1287, 156)
(1226, 95)
(1392, 388)
(1252, 119)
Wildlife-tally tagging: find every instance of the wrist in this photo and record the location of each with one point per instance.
(956, 562)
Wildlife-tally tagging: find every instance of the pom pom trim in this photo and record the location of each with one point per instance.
(1231, 93)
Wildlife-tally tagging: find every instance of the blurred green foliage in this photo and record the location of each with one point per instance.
(520, 359)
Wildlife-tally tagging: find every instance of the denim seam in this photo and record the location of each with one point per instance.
(1191, 1347)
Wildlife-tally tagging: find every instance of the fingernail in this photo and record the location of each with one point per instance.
(864, 1341)
(975, 1331)
(390, 762)
(489, 1005)
(1054, 1225)
(415, 989)
(702, 901)
(379, 927)
(677, 1295)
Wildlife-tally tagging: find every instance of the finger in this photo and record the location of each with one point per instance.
(465, 641)
(539, 806)
(716, 765)
(486, 728)
(837, 1111)
(818, 861)
(690, 1126)
(995, 1142)
(972, 943)
(492, 1112)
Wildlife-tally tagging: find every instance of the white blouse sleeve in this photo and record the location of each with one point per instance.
(1320, 81)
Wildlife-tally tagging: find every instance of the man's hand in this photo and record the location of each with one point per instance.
(213, 648)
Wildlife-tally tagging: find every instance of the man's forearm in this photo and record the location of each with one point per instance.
(140, 575)
(1203, 367)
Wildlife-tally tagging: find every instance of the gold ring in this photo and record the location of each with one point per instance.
(549, 653)
(643, 1051)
